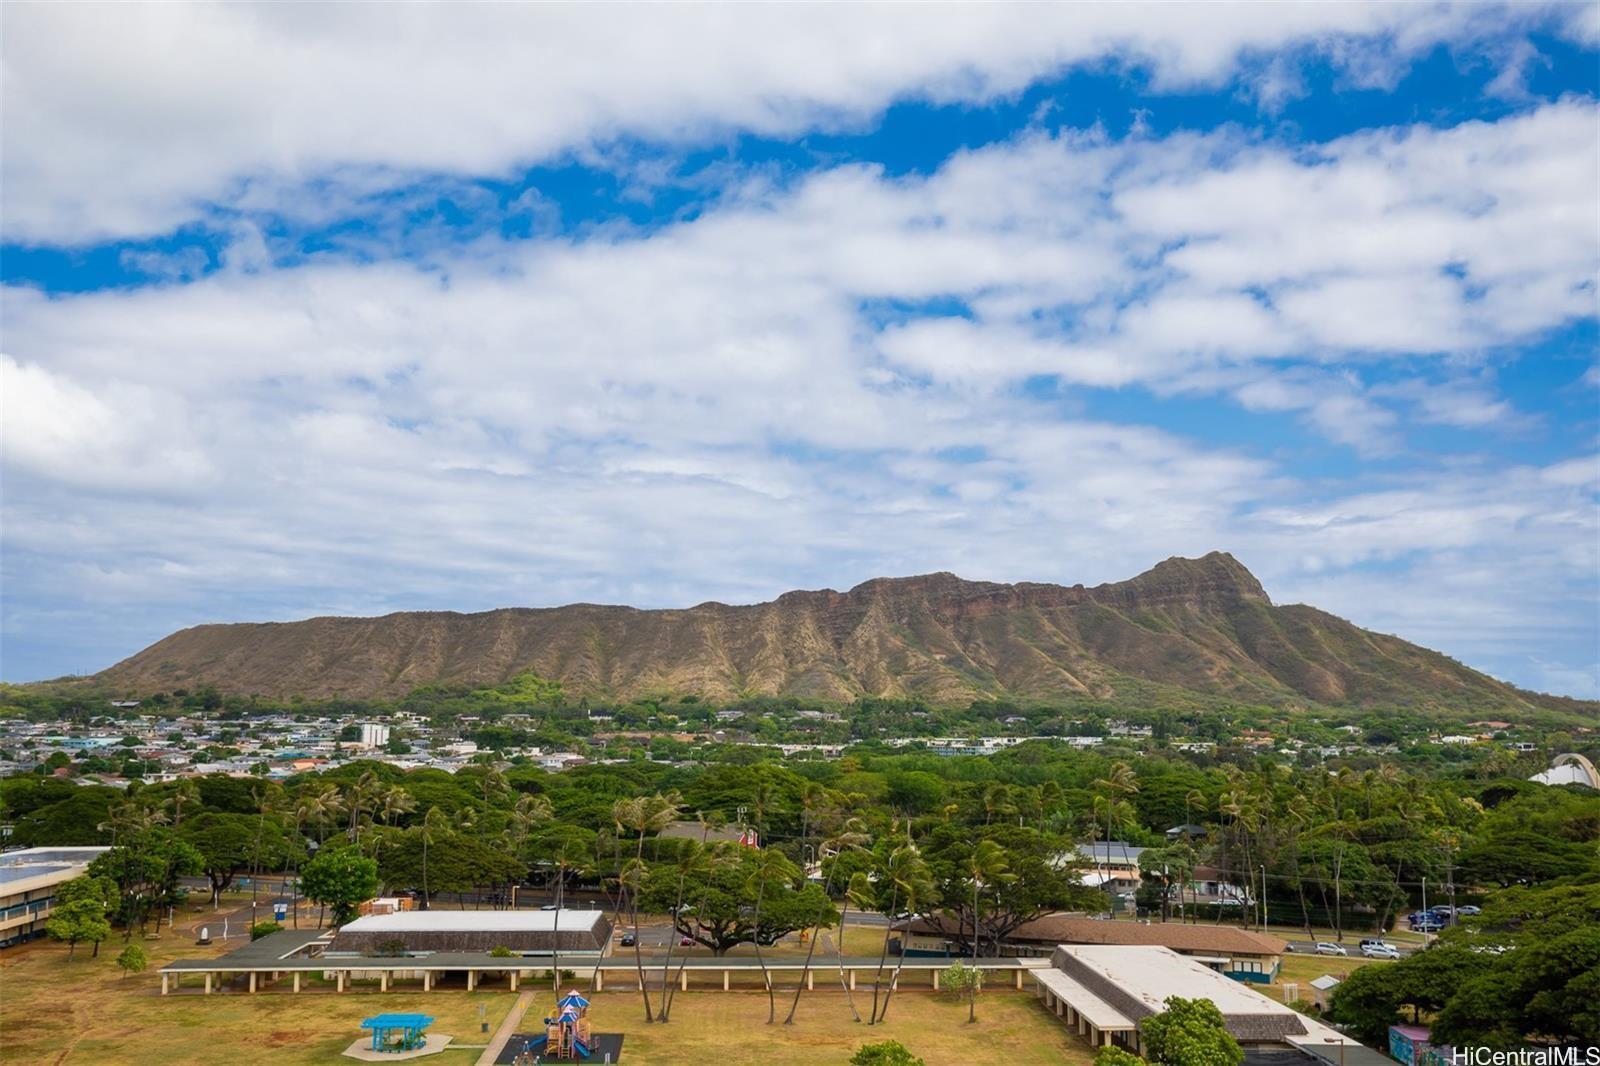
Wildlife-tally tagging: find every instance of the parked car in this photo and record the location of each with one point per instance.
(1469, 911)
(1327, 947)
(629, 940)
(1379, 950)
(1427, 925)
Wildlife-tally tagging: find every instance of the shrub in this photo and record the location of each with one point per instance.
(500, 951)
(1115, 1056)
(961, 979)
(132, 960)
(394, 947)
(261, 929)
(886, 1053)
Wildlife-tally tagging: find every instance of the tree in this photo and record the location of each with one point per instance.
(884, 1053)
(1368, 1002)
(340, 879)
(986, 866)
(229, 844)
(912, 883)
(132, 959)
(1190, 1032)
(80, 921)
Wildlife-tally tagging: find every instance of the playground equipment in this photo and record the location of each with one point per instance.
(566, 1034)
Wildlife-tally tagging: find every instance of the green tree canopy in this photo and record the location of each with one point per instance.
(1190, 1032)
(340, 879)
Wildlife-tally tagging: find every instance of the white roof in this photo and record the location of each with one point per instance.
(1099, 1013)
(1151, 974)
(475, 922)
(1326, 981)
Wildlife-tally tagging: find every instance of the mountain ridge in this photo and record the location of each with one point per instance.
(1201, 625)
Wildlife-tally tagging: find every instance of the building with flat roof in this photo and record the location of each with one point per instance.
(540, 932)
(1105, 991)
(28, 882)
(1237, 953)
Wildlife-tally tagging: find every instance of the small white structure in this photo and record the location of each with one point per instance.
(1569, 769)
(374, 734)
(1322, 989)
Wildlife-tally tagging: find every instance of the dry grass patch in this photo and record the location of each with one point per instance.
(732, 1027)
(53, 1011)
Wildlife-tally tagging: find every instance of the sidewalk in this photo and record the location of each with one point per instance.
(503, 1035)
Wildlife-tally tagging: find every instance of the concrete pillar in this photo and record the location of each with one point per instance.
(724, 980)
(297, 980)
(809, 981)
(514, 979)
(383, 980)
(338, 980)
(935, 979)
(1019, 980)
(163, 984)
(683, 979)
(208, 982)
(427, 980)
(852, 980)
(599, 979)
(472, 980)
(252, 982)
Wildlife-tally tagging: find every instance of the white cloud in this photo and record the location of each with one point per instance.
(107, 134)
(707, 410)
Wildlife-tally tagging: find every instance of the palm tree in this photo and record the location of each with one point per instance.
(642, 814)
(1118, 783)
(851, 836)
(361, 794)
(911, 875)
(717, 857)
(987, 865)
(529, 811)
(396, 801)
(186, 793)
(433, 824)
(770, 863)
(859, 892)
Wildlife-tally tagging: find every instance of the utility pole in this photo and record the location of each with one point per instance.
(1424, 909)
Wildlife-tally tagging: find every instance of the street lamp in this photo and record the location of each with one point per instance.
(1336, 1040)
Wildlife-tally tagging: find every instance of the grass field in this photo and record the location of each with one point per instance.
(732, 1028)
(85, 1011)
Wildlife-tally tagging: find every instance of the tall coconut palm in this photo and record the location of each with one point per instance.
(859, 892)
(434, 824)
(987, 865)
(714, 859)
(850, 837)
(642, 814)
(771, 866)
(1118, 783)
(914, 879)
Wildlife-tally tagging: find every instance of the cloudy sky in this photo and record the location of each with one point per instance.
(323, 309)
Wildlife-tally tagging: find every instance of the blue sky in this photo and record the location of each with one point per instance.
(489, 306)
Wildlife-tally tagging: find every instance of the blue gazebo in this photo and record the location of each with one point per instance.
(409, 1028)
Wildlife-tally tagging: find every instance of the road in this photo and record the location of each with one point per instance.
(1309, 947)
